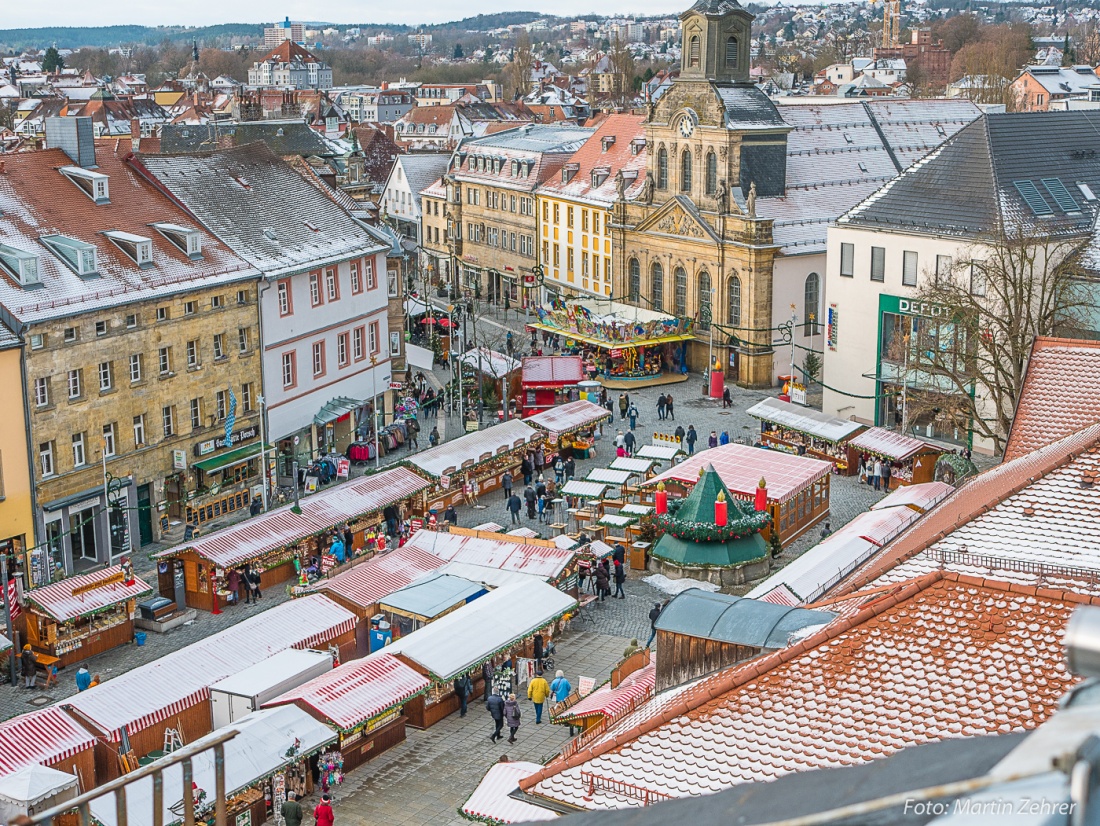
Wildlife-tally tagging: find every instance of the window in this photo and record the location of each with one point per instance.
(246, 397)
(342, 350)
(131, 321)
(909, 268)
(356, 281)
(139, 429)
(374, 338)
(733, 301)
(557, 214)
(634, 289)
(357, 343)
(847, 260)
(693, 52)
(71, 334)
(162, 313)
(243, 340)
(943, 267)
(569, 259)
(977, 280)
(332, 286)
(219, 346)
(680, 291)
(662, 168)
(812, 299)
(283, 291)
(45, 458)
(189, 308)
(685, 171)
(219, 406)
(168, 421)
(135, 368)
(318, 358)
(192, 353)
(731, 53)
(74, 384)
(657, 286)
(242, 296)
(216, 302)
(314, 289)
(101, 328)
(109, 439)
(165, 360)
(878, 263)
(105, 379)
(42, 392)
(596, 222)
(79, 456)
(712, 173)
(38, 341)
(196, 414)
(290, 370)
(584, 264)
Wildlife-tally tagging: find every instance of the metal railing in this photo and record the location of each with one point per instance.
(646, 796)
(117, 787)
(1042, 570)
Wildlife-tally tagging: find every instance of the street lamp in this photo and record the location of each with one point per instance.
(531, 281)
(374, 401)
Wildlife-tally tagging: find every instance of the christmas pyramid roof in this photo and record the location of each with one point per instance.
(699, 504)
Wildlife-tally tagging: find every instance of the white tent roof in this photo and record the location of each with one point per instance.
(257, 751)
(490, 362)
(271, 672)
(22, 791)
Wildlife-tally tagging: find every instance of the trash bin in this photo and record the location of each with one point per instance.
(139, 638)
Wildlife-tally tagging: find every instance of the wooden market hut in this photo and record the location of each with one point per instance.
(630, 685)
(274, 541)
(482, 457)
(49, 737)
(549, 381)
(502, 624)
(570, 426)
(807, 432)
(427, 599)
(360, 700)
(76, 618)
(173, 691)
(912, 460)
(797, 488)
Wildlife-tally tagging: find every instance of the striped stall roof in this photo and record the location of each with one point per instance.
(248, 540)
(920, 497)
(57, 600)
(612, 703)
(369, 582)
(163, 688)
(781, 595)
(892, 445)
(547, 563)
(491, 801)
(450, 457)
(44, 736)
(569, 417)
(353, 693)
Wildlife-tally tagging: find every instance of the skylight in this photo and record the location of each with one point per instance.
(92, 184)
(1062, 196)
(1086, 190)
(1033, 197)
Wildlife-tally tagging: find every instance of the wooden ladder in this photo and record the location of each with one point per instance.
(172, 740)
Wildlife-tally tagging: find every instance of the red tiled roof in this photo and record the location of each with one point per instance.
(439, 115)
(597, 153)
(939, 657)
(1061, 394)
(288, 51)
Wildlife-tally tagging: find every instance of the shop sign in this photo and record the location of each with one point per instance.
(831, 326)
(205, 448)
(343, 468)
(179, 460)
(396, 385)
(911, 306)
(381, 720)
(445, 482)
(472, 259)
(616, 354)
(798, 393)
(113, 579)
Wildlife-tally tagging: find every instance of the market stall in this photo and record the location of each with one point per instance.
(806, 432)
(478, 459)
(238, 695)
(629, 344)
(273, 753)
(84, 615)
(48, 737)
(540, 558)
(615, 478)
(492, 801)
(911, 460)
(570, 427)
(361, 587)
(550, 381)
(34, 789)
(660, 453)
(613, 700)
(499, 626)
(426, 600)
(638, 466)
(280, 543)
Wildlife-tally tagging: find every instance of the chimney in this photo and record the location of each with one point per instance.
(73, 136)
(385, 85)
(135, 134)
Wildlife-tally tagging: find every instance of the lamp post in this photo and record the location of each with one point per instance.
(532, 281)
(374, 401)
(264, 471)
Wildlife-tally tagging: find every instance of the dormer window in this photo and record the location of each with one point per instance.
(79, 256)
(568, 171)
(138, 247)
(21, 265)
(599, 176)
(92, 184)
(731, 53)
(607, 142)
(187, 240)
(515, 168)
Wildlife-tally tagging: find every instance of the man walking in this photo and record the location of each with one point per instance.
(620, 578)
(570, 469)
(629, 442)
(506, 483)
(537, 692)
(292, 810)
(623, 406)
(692, 438)
(28, 664)
(679, 434)
(877, 474)
(495, 704)
(530, 498)
(654, 615)
(662, 404)
(632, 414)
(513, 508)
(669, 407)
(727, 399)
(464, 687)
(559, 470)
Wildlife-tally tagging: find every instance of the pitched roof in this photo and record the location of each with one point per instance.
(1060, 394)
(97, 590)
(288, 51)
(944, 656)
(617, 145)
(43, 736)
(257, 203)
(421, 169)
(1062, 81)
(284, 137)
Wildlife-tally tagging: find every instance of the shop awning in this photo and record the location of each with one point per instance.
(568, 418)
(230, 459)
(419, 357)
(612, 345)
(336, 408)
(84, 594)
(584, 490)
(609, 476)
(804, 420)
(890, 444)
(95, 492)
(414, 306)
(431, 596)
(632, 464)
(662, 453)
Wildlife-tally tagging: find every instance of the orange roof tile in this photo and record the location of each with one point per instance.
(938, 657)
(1061, 393)
(608, 149)
(288, 51)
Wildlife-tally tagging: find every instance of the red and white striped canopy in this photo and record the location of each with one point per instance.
(45, 736)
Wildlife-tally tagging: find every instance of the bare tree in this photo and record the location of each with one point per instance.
(521, 67)
(968, 353)
(620, 62)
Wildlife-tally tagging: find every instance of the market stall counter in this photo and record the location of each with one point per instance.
(571, 426)
(911, 460)
(803, 431)
(84, 615)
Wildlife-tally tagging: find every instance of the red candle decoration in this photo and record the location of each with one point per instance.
(720, 515)
(660, 501)
(761, 501)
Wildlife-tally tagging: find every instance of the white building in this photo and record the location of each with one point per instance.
(289, 66)
(401, 197)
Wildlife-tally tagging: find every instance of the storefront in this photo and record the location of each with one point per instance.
(82, 616)
(625, 345)
(226, 473)
(549, 381)
(82, 533)
(338, 423)
(911, 461)
(803, 431)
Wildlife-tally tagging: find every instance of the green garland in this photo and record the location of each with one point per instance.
(738, 528)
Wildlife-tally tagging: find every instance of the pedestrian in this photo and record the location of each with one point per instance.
(323, 812)
(451, 515)
(337, 549)
(620, 439)
(433, 437)
(570, 468)
(506, 483)
(256, 506)
(887, 472)
(724, 439)
(582, 575)
(514, 506)
(618, 554)
(620, 578)
(727, 399)
(540, 461)
(509, 343)
(679, 433)
(559, 470)
(560, 687)
(291, 810)
(671, 411)
(413, 428)
(543, 501)
(713, 440)
(495, 704)
(537, 692)
(826, 531)
(691, 438)
(83, 677)
(662, 406)
(29, 665)
(530, 498)
(527, 468)
(624, 405)
(511, 717)
(654, 615)
(602, 582)
(876, 473)
(254, 583)
(464, 687)
(629, 442)
(95, 681)
(632, 414)
(349, 540)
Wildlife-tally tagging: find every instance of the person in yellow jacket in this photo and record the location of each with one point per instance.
(537, 692)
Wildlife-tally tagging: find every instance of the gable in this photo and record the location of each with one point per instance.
(678, 217)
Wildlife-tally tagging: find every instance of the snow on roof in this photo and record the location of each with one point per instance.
(804, 419)
(491, 801)
(920, 497)
(490, 362)
(569, 417)
(890, 444)
(452, 456)
(612, 703)
(48, 735)
(503, 553)
(553, 369)
(84, 594)
(366, 583)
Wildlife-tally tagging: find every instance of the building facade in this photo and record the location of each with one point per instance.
(290, 66)
(16, 502)
(401, 197)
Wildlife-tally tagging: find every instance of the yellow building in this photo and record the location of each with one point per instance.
(16, 512)
(575, 208)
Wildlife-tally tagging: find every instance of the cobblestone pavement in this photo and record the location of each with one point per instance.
(426, 779)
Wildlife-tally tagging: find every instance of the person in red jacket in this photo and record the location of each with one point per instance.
(323, 812)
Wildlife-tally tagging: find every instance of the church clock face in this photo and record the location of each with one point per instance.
(687, 126)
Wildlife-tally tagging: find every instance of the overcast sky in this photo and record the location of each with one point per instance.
(33, 13)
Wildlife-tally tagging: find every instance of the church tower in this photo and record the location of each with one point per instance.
(716, 41)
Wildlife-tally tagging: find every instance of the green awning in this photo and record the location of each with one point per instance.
(230, 459)
(334, 409)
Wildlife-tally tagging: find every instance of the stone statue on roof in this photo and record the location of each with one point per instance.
(723, 197)
(620, 185)
(750, 201)
(646, 194)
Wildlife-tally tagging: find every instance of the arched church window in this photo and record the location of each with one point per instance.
(657, 285)
(685, 171)
(712, 173)
(662, 168)
(635, 288)
(733, 301)
(681, 292)
(693, 52)
(731, 53)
